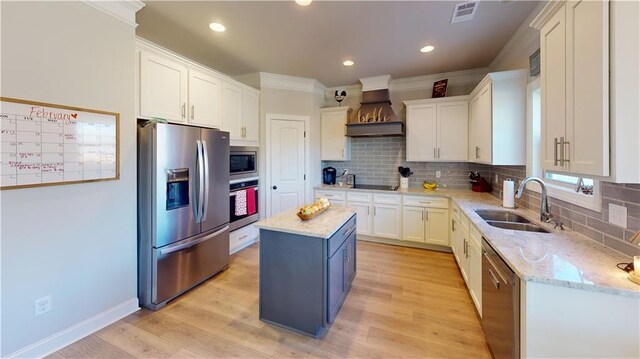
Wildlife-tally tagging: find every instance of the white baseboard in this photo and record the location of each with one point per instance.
(76, 332)
(396, 242)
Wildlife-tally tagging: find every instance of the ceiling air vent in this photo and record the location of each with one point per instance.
(464, 11)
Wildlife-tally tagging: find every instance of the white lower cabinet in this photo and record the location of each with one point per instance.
(364, 214)
(474, 250)
(413, 224)
(424, 224)
(242, 238)
(386, 220)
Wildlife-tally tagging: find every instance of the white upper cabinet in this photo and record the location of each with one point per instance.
(163, 88)
(178, 90)
(574, 58)
(232, 110)
(437, 129)
(335, 146)
(498, 118)
(204, 100)
(251, 116)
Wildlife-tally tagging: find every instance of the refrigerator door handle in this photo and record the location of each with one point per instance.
(181, 246)
(200, 165)
(207, 181)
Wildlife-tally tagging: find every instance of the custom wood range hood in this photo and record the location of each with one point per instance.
(375, 117)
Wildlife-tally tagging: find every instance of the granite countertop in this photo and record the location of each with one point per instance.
(322, 226)
(563, 258)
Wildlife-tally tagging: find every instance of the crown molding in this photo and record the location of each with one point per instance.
(464, 77)
(123, 10)
(546, 13)
(291, 83)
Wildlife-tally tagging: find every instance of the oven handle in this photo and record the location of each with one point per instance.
(233, 193)
(244, 180)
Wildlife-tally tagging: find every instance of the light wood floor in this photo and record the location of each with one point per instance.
(404, 303)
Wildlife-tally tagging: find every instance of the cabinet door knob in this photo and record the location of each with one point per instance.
(275, 187)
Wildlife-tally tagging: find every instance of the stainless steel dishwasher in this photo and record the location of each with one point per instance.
(500, 304)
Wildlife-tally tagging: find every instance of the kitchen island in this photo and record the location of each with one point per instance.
(306, 268)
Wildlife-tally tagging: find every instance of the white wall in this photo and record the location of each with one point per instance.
(74, 242)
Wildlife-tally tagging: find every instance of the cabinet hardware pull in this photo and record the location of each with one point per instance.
(563, 158)
(374, 211)
(184, 106)
(193, 111)
(453, 225)
(422, 215)
(425, 202)
(555, 151)
(343, 152)
(427, 214)
(477, 152)
(434, 153)
(368, 210)
(438, 152)
(243, 237)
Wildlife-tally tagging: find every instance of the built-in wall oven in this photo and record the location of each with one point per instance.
(243, 202)
(243, 162)
(243, 186)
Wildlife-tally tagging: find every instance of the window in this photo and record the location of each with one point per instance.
(568, 187)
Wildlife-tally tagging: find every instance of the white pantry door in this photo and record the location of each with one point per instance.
(287, 163)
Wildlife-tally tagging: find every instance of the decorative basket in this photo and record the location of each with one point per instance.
(312, 215)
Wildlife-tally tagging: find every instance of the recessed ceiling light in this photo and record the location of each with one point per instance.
(217, 27)
(348, 63)
(303, 2)
(427, 49)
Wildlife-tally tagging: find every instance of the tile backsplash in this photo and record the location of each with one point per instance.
(375, 160)
(592, 224)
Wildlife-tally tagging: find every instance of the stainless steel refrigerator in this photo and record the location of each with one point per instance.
(183, 210)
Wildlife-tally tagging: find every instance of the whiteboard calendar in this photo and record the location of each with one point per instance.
(45, 144)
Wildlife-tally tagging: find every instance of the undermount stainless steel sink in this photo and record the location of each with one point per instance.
(502, 216)
(515, 226)
(509, 220)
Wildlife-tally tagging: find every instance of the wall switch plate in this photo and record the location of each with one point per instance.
(438, 174)
(618, 215)
(42, 305)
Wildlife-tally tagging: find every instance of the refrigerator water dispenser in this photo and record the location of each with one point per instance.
(177, 188)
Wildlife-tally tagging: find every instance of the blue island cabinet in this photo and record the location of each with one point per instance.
(304, 280)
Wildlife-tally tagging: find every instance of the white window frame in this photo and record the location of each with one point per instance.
(556, 189)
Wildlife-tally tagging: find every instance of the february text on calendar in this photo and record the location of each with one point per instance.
(45, 144)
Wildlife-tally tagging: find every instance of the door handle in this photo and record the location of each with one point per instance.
(175, 248)
(198, 208)
(275, 187)
(205, 160)
(494, 280)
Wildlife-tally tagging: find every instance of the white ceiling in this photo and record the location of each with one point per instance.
(382, 37)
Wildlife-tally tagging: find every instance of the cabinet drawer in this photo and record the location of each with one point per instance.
(386, 198)
(339, 195)
(455, 211)
(338, 238)
(242, 237)
(422, 201)
(359, 197)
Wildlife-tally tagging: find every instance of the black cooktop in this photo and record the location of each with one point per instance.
(378, 187)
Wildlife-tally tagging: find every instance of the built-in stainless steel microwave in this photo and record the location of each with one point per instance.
(243, 162)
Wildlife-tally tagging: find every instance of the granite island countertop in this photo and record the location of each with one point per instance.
(563, 258)
(322, 226)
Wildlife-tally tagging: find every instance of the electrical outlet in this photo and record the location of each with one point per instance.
(42, 305)
(438, 174)
(618, 215)
(496, 179)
